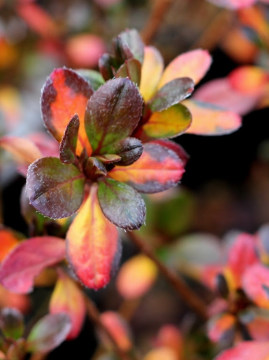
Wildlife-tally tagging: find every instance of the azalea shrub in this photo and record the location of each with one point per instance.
(106, 168)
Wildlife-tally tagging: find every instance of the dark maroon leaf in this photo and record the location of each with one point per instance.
(172, 93)
(69, 141)
(129, 44)
(112, 114)
(53, 188)
(129, 149)
(121, 204)
(94, 168)
(48, 333)
(105, 66)
(131, 69)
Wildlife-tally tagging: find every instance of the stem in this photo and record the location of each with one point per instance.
(94, 315)
(214, 31)
(156, 17)
(189, 297)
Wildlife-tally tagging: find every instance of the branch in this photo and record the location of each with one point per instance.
(189, 297)
(156, 17)
(94, 315)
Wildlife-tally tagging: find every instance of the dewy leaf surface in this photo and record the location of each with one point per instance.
(69, 142)
(68, 298)
(27, 260)
(166, 124)
(158, 169)
(92, 244)
(172, 93)
(48, 333)
(121, 204)
(208, 119)
(53, 188)
(113, 112)
(193, 64)
(65, 94)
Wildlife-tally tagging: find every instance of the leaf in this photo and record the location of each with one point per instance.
(53, 188)
(160, 353)
(242, 255)
(193, 64)
(85, 50)
(255, 283)
(151, 72)
(68, 298)
(93, 77)
(143, 273)
(121, 204)
(172, 93)
(69, 141)
(65, 94)
(233, 4)
(158, 169)
(170, 336)
(246, 350)
(129, 150)
(181, 153)
(209, 119)
(221, 328)
(8, 240)
(11, 323)
(110, 115)
(166, 124)
(249, 79)
(27, 260)
(219, 92)
(117, 328)
(92, 244)
(130, 69)
(23, 150)
(48, 333)
(128, 44)
(20, 302)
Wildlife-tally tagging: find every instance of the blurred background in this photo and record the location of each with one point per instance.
(226, 183)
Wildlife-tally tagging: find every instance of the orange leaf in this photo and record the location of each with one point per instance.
(161, 354)
(208, 119)
(8, 240)
(151, 72)
(65, 94)
(117, 328)
(158, 169)
(12, 300)
(92, 244)
(220, 327)
(68, 298)
(193, 64)
(249, 79)
(142, 272)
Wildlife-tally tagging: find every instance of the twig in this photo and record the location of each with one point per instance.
(214, 31)
(157, 15)
(190, 298)
(94, 315)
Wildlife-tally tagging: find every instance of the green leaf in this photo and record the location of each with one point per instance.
(48, 333)
(69, 141)
(11, 323)
(121, 204)
(111, 116)
(129, 44)
(131, 69)
(172, 93)
(54, 189)
(94, 78)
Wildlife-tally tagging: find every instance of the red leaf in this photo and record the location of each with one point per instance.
(65, 94)
(158, 169)
(256, 284)
(27, 260)
(246, 350)
(68, 298)
(92, 244)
